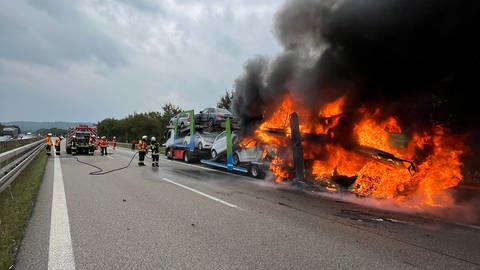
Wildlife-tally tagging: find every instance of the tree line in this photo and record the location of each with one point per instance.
(134, 126)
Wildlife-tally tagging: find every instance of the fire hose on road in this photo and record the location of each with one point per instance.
(100, 171)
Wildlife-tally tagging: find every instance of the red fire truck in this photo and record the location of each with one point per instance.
(82, 134)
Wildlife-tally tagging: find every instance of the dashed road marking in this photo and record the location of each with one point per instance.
(203, 194)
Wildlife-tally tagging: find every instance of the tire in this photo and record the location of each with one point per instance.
(256, 171)
(186, 156)
(200, 146)
(214, 154)
(236, 160)
(69, 151)
(168, 153)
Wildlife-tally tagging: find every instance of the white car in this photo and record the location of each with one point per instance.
(203, 140)
(243, 154)
(219, 145)
(171, 139)
(183, 120)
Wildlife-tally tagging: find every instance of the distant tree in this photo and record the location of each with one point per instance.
(225, 101)
(170, 110)
(135, 125)
(110, 128)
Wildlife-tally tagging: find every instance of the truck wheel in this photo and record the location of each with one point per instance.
(236, 160)
(186, 156)
(214, 154)
(169, 153)
(69, 151)
(256, 171)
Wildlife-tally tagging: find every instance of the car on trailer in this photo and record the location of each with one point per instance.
(181, 120)
(202, 140)
(214, 117)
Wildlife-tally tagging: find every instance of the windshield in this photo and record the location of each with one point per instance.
(220, 110)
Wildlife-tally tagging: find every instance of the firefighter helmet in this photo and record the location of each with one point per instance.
(153, 139)
(144, 137)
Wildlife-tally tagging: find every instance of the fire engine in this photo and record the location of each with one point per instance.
(82, 133)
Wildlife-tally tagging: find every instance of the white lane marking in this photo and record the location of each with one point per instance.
(60, 251)
(203, 194)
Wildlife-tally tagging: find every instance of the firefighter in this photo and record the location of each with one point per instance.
(48, 143)
(155, 149)
(114, 143)
(73, 147)
(57, 145)
(133, 144)
(91, 145)
(142, 150)
(104, 145)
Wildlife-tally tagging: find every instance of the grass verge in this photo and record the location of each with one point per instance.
(15, 213)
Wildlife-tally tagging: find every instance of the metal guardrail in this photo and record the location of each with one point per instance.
(16, 160)
(12, 144)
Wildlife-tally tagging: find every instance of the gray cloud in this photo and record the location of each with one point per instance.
(51, 33)
(129, 56)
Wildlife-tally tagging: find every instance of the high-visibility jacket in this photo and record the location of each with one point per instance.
(91, 141)
(57, 141)
(48, 140)
(142, 146)
(104, 143)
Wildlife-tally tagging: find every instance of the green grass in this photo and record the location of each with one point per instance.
(14, 214)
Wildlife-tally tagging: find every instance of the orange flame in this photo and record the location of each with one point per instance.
(437, 153)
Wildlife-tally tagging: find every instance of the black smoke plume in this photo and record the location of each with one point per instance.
(419, 59)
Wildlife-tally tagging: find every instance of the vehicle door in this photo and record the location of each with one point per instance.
(204, 115)
(220, 143)
(169, 138)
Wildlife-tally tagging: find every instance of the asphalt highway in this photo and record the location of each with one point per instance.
(184, 216)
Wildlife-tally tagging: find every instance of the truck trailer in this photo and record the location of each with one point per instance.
(182, 144)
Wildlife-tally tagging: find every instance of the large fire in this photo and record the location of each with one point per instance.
(414, 169)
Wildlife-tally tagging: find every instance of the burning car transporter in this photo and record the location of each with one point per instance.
(380, 162)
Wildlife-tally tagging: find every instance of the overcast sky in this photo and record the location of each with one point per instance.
(92, 59)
